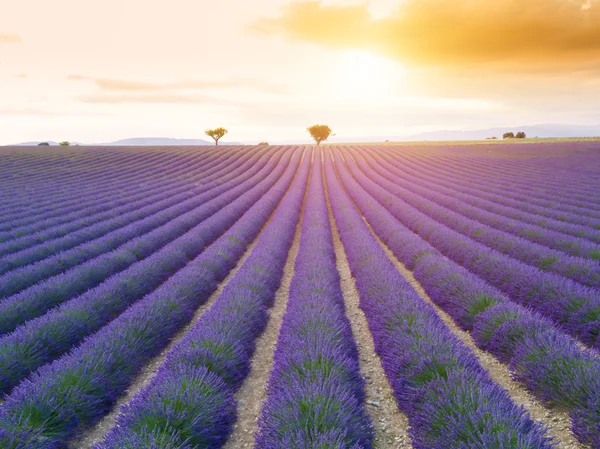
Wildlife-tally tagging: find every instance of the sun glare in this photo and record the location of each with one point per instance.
(366, 77)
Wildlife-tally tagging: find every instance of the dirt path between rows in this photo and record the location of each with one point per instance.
(96, 433)
(253, 392)
(555, 419)
(390, 424)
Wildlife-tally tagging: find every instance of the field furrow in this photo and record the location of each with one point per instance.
(348, 296)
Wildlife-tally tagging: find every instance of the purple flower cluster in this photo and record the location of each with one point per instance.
(572, 223)
(557, 180)
(574, 307)
(315, 393)
(449, 398)
(85, 193)
(136, 224)
(547, 361)
(189, 403)
(583, 270)
(42, 239)
(459, 215)
(41, 340)
(139, 195)
(37, 299)
(74, 391)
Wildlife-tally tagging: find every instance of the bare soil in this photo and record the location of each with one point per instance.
(555, 419)
(390, 424)
(253, 392)
(97, 432)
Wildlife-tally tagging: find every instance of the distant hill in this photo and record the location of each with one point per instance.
(140, 141)
(33, 144)
(546, 130)
(152, 141)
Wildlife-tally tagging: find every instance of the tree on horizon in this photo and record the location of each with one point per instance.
(319, 132)
(216, 133)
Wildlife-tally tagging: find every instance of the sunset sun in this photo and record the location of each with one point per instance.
(367, 77)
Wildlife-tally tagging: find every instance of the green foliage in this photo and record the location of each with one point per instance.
(520, 135)
(509, 135)
(319, 132)
(64, 143)
(216, 133)
(264, 143)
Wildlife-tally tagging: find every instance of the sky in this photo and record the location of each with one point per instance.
(96, 71)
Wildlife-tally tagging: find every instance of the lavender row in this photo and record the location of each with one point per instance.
(552, 239)
(62, 212)
(113, 206)
(41, 340)
(518, 184)
(44, 202)
(202, 371)
(540, 171)
(315, 393)
(574, 307)
(526, 202)
(100, 238)
(116, 187)
(506, 190)
(449, 398)
(73, 392)
(35, 300)
(571, 224)
(62, 168)
(29, 192)
(513, 186)
(427, 201)
(550, 363)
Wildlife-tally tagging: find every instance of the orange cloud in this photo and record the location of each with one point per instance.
(107, 84)
(509, 34)
(9, 38)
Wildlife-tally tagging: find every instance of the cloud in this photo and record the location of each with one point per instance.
(112, 85)
(6, 38)
(157, 98)
(31, 112)
(511, 35)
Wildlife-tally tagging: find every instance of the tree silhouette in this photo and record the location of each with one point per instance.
(520, 135)
(319, 132)
(216, 134)
(509, 135)
(264, 143)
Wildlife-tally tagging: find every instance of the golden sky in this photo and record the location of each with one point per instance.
(94, 71)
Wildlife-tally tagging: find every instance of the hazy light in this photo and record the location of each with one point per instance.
(367, 78)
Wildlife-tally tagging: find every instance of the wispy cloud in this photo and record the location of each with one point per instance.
(32, 112)
(507, 34)
(157, 98)
(6, 38)
(112, 85)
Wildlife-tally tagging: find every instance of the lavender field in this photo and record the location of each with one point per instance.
(297, 297)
